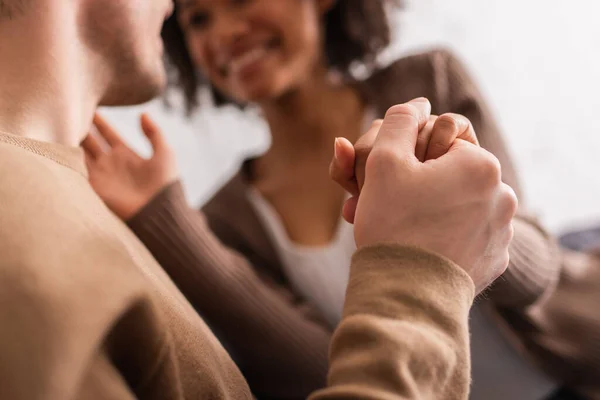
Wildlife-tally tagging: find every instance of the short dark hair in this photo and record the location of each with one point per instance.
(356, 31)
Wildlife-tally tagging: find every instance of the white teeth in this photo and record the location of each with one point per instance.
(246, 59)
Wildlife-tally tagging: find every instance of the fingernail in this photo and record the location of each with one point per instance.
(336, 146)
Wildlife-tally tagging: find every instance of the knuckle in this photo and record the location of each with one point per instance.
(510, 234)
(381, 159)
(490, 168)
(511, 203)
(503, 264)
(503, 216)
(505, 207)
(447, 123)
(486, 171)
(513, 196)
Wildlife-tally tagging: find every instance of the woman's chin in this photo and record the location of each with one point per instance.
(257, 95)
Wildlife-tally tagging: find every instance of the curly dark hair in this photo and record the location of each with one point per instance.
(356, 31)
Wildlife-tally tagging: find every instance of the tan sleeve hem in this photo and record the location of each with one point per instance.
(404, 334)
(409, 270)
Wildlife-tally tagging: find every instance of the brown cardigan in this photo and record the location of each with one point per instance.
(277, 339)
(87, 313)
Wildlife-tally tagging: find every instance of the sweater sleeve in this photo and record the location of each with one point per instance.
(279, 347)
(535, 264)
(404, 334)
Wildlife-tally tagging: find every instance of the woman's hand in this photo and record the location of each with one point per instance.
(434, 140)
(124, 180)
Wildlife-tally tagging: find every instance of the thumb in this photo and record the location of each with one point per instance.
(341, 169)
(400, 128)
(153, 133)
(446, 129)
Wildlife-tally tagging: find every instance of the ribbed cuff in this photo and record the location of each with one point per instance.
(393, 281)
(171, 197)
(533, 270)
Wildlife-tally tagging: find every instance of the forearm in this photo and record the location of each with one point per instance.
(404, 334)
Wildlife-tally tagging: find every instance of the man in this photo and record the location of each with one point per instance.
(87, 313)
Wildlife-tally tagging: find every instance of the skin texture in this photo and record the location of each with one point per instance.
(69, 57)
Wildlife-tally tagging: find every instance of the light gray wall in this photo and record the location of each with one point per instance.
(538, 62)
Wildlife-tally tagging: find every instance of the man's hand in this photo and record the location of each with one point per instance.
(124, 180)
(436, 190)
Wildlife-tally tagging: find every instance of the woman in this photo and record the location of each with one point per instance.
(266, 261)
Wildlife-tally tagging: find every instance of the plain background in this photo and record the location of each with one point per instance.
(537, 62)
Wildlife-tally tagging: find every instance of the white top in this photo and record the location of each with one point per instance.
(320, 275)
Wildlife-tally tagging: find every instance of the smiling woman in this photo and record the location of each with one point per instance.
(355, 31)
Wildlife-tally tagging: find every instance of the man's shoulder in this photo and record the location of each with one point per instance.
(35, 196)
(51, 221)
(28, 179)
(62, 284)
(56, 246)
